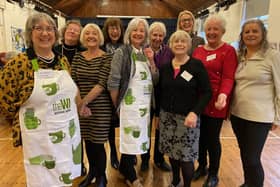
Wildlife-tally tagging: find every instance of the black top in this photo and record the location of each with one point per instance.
(181, 96)
(69, 51)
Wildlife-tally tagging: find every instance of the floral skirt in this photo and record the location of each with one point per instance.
(176, 140)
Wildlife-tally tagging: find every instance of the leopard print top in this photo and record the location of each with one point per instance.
(16, 85)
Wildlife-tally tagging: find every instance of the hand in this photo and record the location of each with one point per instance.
(149, 53)
(221, 101)
(191, 120)
(274, 127)
(156, 122)
(85, 111)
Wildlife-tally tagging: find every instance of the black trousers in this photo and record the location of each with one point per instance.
(96, 158)
(209, 141)
(127, 167)
(251, 137)
(158, 156)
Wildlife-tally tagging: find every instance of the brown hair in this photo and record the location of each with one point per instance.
(112, 22)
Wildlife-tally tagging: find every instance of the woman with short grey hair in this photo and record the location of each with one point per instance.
(130, 84)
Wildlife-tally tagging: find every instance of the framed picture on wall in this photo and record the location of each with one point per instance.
(17, 39)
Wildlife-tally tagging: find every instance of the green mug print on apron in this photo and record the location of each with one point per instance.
(77, 154)
(143, 111)
(57, 137)
(30, 120)
(51, 89)
(129, 98)
(144, 75)
(144, 146)
(72, 128)
(47, 161)
(65, 178)
(134, 131)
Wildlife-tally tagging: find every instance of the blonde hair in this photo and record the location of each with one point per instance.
(158, 25)
(95, 27)
(218, 18)
(179, 19)
(179, 35)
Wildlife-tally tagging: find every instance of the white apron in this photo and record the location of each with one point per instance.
(50, 130)
(135, 110)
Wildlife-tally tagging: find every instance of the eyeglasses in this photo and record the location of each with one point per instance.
(41, 29)
(186, 20)
(72, 30)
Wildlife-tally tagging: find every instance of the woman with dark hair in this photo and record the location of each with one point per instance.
(37, 92)
(256, 99)
(113, 39)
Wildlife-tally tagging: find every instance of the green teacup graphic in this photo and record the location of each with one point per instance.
(50, 164)
(144, 146)
(30, 120)
(65, 178)
(50, 89)
(143, 111)
(72, 128)
(143, 75)
(47, 161)
(77, 154)
(37, 160)
(129, 98)
(136, 132)
(57, 137)
(127, 130)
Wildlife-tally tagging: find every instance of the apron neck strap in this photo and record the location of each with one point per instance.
(35, 64)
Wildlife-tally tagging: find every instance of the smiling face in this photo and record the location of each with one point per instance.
(252, 35)
(214, 32)
(43, 35)
(137, 35)
(156, 38)
(114, 33)
(180, 43)
(186, 23)
(91, 38)
(72, 34)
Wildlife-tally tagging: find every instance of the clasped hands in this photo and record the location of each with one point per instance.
(83, 109)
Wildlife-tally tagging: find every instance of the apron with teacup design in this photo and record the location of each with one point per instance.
(50, 130)
(135, 109)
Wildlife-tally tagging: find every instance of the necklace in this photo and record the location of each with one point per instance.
(72, 50)
(46, 60)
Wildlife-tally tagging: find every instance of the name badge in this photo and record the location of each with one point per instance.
(186, 75)
(211, 57)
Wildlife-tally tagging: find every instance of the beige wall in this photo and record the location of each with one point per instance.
(273, 24)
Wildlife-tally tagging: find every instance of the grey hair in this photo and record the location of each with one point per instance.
(63, 29)
(95, 27)
(158, 25)
(32, 21)
(218, 18)
(264, 45)
(131, 26)
(180, 34)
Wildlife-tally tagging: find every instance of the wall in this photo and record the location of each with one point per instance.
(15, 17)
(273, 24)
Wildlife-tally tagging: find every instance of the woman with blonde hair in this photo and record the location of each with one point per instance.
(186, 22)
(90, 70)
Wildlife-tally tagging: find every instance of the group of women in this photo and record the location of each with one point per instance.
(188, 85)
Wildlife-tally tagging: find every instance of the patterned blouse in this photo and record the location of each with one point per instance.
(16, 85)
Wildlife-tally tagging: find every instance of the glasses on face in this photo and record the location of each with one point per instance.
(41, 29)
(73, 30)
(186, 20)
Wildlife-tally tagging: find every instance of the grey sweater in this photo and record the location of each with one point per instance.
(121, 68)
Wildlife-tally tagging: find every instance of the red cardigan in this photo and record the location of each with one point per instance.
(220, 64)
